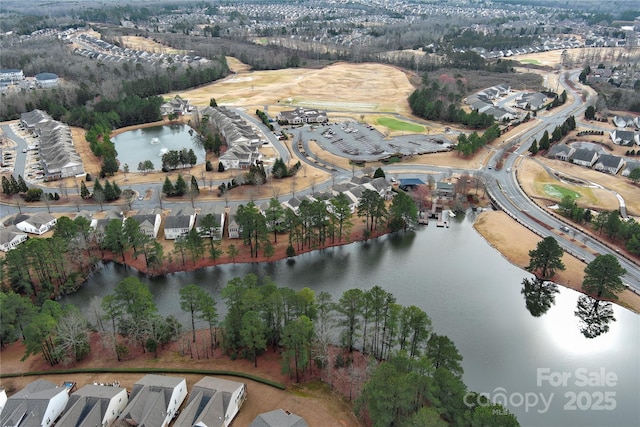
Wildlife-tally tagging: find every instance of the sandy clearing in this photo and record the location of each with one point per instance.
(341, 86)
(147, 44)
(498, 229)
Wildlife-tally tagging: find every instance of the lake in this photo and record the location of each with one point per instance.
(549, 374)
(151, 143)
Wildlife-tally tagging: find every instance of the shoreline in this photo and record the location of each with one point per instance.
(497, 229)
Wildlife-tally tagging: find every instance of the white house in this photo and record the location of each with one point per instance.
(39, 404)
(213, 402)
(179, 224)
(625, 137)
(38, 223)
(94, 405)
(584, 157)
(609, 164)
(219, 218)
(154, 401)
(149, 222)
(10, 237)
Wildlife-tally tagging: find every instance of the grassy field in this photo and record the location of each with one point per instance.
(558, 191)
(530, 61)
(395, 124)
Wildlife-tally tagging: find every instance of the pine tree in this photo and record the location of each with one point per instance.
(22, 186)
(84, 192)
(181, 187)
(167, 187)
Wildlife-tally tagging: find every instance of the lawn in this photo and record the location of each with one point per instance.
(529, 61)
(395, 124)
(558, 191)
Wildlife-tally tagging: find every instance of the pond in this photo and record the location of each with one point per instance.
(473, 295)
(151, 143)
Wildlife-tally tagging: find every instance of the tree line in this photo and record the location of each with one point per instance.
(420, 369)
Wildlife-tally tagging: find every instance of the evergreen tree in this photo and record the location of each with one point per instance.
(181, 187)
(167, 187)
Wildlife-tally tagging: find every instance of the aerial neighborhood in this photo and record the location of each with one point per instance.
(262, 213)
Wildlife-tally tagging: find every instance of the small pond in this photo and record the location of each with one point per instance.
(139, 145)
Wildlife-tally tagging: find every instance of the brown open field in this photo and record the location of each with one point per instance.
(147, 44)
(342, 86)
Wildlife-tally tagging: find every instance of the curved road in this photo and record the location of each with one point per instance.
(502, 186)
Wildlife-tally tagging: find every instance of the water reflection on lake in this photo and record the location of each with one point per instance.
(473, 295)
(138, 145)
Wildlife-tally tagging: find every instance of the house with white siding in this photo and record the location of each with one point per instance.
(179, 224)
(37, 223)
(39, 404)
(154, 401)
(213, 402)
(609, 163)
(11, 237)
(584, 157)
(94, 405)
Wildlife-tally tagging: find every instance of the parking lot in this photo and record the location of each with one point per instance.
(361, 142)
(33, 169)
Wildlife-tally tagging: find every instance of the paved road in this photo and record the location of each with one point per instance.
(501, 185)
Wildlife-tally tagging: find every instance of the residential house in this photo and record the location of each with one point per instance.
(531, 101)
(37, 223)
(219, 217)
(176, 106)
(278, 418)
(213, 402)
(154, 401)
(301, 115)
(233, 227)
(623, 121)
(94, 405)
(46, 80)
(445, 190)
(625, 137)
(609, 164)
(149, 222)
(381, 186)
(584, 157)
(179, 224)
(409, 184)
(631, 165)
(561, 152)
(39, 404)
(10, 237)
(99, 225)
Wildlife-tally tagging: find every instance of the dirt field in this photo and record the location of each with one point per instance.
(146, 44)
(341, 87)
(498, 229)
(577, 57)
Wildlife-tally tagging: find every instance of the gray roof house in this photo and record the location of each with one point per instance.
(631, 165)
(584, 157)
(625, 137)
(219, 218)
(561, 152)
(10, 237)
(445, 190)
(213, 402)
(39, 404)
(623, 121)
(278, 418)
(149, 222)
(154, 401)
(301, 115)
(609, 164)
(179, 223)
(37, 223)
(94, 405)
